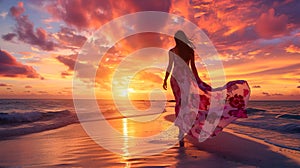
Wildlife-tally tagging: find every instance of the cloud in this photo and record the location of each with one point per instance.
(266, 93)
(154, 5)
(291, 10)
(256, 86)
(4, 84)
(17, 11)
(94, 13)
(83, 69)
(28, 86)
(25, 31)
(42, 92)
(268, 25)
(149, 76)
(275, 94)
(10, 67)
(292, 49)
(81, 14)
(65, 73)
(68, 60)
(69, 38)
(9, 36)
(3, 14)
(142, 40)
(285, 69)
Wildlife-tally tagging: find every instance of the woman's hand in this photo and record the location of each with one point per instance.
(204, 86)
(165, 85)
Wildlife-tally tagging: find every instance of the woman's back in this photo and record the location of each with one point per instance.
(185, 53)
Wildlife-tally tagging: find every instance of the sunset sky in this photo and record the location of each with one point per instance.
(258, 41)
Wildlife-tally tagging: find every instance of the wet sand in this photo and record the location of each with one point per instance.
(70, 146)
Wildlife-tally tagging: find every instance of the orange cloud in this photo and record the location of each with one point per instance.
(149, 76)
(94, 13)
(292, 49)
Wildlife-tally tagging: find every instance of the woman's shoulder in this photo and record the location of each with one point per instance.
(173, 50)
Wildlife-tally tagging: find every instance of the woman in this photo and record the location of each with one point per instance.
(182, 60)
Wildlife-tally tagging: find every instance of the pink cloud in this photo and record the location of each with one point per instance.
(16, 11)
(269, 25)
(81, 14)
(9, 36)
(28, 86)
(69, 38)
(26, 32)
(10, 67)
(68, 60)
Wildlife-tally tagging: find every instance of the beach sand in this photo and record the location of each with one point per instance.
(70, 146)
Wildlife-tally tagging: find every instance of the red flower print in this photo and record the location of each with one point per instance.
(246, 92)
(237, 101)
(204, 102)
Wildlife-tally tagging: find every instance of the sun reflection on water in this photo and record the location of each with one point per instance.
(125, 138)
(125, 143)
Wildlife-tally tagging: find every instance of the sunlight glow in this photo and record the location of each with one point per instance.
(125, 138)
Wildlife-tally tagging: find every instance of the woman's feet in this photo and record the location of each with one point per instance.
(181, 138)
(181, 143)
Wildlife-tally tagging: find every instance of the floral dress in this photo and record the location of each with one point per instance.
(203, 113)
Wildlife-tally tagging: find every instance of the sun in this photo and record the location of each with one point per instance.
(126, 92)
(130, 90)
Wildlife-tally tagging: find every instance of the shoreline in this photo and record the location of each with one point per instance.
(260, 140)
(70, 146)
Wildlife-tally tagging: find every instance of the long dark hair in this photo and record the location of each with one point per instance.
(185, 50)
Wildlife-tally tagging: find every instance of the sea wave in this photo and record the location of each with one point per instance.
(15, 118)
(289, 116)
(254, 110)
(281, 145)
(15, 124)
(290, 128)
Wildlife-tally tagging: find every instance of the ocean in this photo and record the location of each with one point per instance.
(275, 122)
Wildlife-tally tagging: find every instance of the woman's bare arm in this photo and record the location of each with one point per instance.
(169, 68)
(194, 69)
(202, 85)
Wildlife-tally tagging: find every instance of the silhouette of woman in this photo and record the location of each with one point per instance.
(238, 92)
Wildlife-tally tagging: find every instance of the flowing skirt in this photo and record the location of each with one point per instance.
(209, 121)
